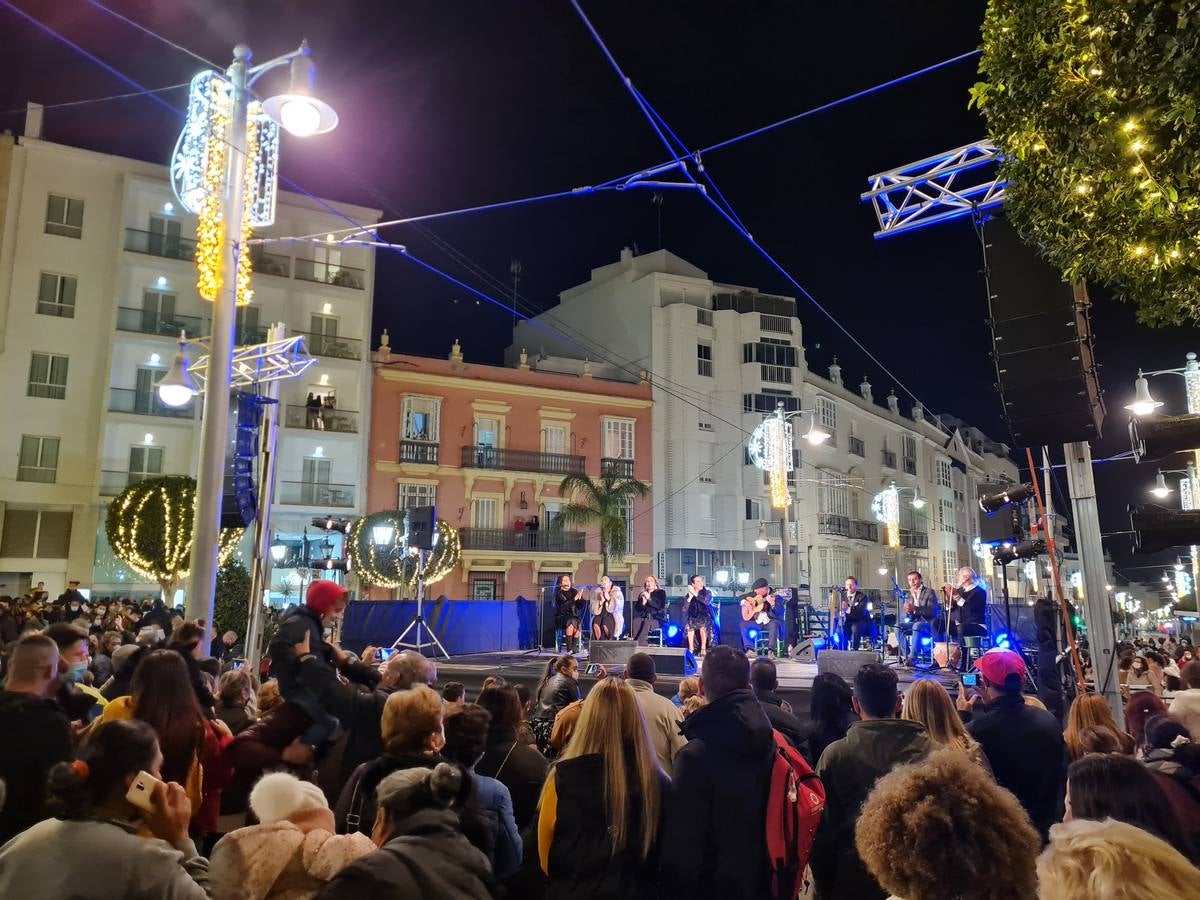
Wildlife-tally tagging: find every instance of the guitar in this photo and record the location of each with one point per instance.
(753, 606)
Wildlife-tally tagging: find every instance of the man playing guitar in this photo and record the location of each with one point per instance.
(921, 615)
(758, 614)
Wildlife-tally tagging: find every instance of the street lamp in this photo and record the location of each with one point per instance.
(1161, 489)
(298, 111)
(383, 534)
(743, 578)
(178, 387)
(761, 541)
(721, 576)
(278, 550)
(1143, 404)
(883, 570)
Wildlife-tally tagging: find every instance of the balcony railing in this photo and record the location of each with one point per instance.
(307, 493)
(113, 481)
(857, 447)
(476, 457)
(861, 530)
(157, 244)
(827, 523)
(425, 452)
(328, 273)
(332, 345)
(146, 403)
(910, 466)
(327, 418)
(888, 459)
(917, 540)
(245, 335)
(542, 540)
(145, 321)
(616, 468)
(265, 263)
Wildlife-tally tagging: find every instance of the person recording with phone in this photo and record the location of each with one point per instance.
(92, 848)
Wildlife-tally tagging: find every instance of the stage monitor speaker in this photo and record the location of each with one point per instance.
(806, 651)
(671, 660)
(422, 525)
(1042, 345)
(845, 663)
(610, 653)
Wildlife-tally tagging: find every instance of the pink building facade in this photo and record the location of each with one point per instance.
(489, 447)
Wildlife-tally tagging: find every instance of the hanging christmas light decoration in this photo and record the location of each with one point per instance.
(392, 565)
(770, 449)
(886, 507)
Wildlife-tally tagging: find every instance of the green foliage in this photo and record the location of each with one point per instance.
(602, 503)
(233, 599)
(1094, 106)
(149, 527)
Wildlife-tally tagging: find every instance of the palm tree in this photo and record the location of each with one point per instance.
(602, 503)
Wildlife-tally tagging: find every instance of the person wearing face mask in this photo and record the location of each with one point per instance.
(1141, 678)
(70, 599)
(81, 701)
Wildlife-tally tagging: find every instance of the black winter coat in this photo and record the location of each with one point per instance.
(429, 858)
(523, 772)
(1025, 748)
(34, 735)
(359, 710)
(285, 666)
(796, 732)
(583, 864)
(559, 692)
(713, 842)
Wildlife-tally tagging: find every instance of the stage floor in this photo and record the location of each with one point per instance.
(795, 678)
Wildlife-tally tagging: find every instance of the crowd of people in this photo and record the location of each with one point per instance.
(138, 760)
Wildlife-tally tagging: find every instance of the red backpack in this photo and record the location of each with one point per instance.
(795, 802)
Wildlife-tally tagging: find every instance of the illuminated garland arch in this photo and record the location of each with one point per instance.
(395, 570)
(149, 527)
(1094, 106)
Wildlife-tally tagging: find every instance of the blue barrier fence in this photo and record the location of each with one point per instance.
(463, 626)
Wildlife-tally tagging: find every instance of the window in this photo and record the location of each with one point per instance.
(422, 417)
(487, 585)
(704, 359)
(413, 493)
(827, 413)
(777, 324)
(38, 460)
(776, 374)
(484, 512)
(554, 439)
(857, 447)
(64, 216)
(704, 506)
(704, 317)
(835, 566)
(30, 534)
(625, 511)
(144, 462)
(47, 376)
(163, 235)
(549, 512)
(946, 516)
(766, 401)
(769, 352)
(618, 438)
(943, 473)
(316, 470)
(753, 510)
(706, 475)
(833, 493)
(56, 295)
(704, 423)
(909, 446)
(487, 432)
(324, 334)
(949, 565)
(158, 312)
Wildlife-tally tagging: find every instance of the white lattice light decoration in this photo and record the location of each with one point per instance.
(770, 448)
(886, 507)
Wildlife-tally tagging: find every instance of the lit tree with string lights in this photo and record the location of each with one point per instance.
(1094, 106)
(149, 527)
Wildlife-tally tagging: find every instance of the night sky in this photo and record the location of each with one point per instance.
(449, 104)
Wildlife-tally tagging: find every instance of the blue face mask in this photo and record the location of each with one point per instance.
(76, 672)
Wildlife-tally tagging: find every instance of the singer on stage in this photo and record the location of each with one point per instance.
(649, 608)
(922, 616)
(859, 612)
(758, 614)
(569, 605)
(605, 603)
(970, 604)
(697, 605)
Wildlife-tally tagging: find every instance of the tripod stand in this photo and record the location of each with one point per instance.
(418, 621)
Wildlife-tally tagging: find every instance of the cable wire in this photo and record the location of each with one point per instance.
(124, 96)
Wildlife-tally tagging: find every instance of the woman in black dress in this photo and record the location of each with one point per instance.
(605, 604)
(649, 607)
(568, 611)
(698, 603)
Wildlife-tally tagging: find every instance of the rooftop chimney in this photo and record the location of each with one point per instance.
(626, 254)
(835, 372)
(33, 120)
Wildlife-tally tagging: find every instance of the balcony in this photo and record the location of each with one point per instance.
(910, 466)
(916, 540)
(544, 541)
(332, 345)
(861, 530)
(616, 468)
(306, 493)
(265, 263)
(328, 273)
(339, 421)
(145, 321)
(827, 523)
(476, 457)
(113, 481)
(424, 452)
(146, 403)
(888, 458)
(857, 448)
(154, 243)
(245, 335)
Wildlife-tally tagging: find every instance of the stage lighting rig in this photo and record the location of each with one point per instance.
(332, 523)
(1027, 549)
(1016, 493)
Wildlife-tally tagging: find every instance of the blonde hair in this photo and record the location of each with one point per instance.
(409, 718)
(268, 696)
(916, 812)
(689, 687)
(1111, 860)
(1088, 711)
(611, 725)
(692, 705)
(928, 702)
(654, 578)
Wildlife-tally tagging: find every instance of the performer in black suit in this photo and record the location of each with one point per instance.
(970, 604)
(922, 616)
(859, 612)
(569, 604)
(649, 609)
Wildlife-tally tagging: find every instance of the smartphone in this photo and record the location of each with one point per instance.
(141, 792)
(386, 653)
(970, 680)
(237, 663)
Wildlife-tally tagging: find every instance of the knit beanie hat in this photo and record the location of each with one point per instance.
(279, 795)
(322, 594)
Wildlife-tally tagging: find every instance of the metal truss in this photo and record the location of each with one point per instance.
(260, 363)
(952, 184)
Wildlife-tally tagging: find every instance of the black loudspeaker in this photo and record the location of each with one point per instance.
(806, 651)
(1155, 530)
(845, 663)
(610, 653)
(671, 660)
(421, 522)
(1002, 526)
(1042, 344)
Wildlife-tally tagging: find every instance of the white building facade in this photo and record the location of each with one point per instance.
(96, 283)
(721, 357)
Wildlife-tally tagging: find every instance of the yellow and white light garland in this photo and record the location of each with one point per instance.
(395, 569)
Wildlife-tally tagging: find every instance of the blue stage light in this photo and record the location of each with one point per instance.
(753, 634)
(926, 641)
(837, 638)
(672, 631)
(818, 643)
(1002, 641)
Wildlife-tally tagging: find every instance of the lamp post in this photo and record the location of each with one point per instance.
(301, 114)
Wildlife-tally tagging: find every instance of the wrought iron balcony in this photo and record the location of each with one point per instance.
(861, 530)
(329, 273)
(857, 447)
(616, 468)
(155, 243)
(425, 452)
(888, 458)
(476, 457)
(332, 345)
(265, 263)
(327, 418)
(917, 540)
(146, 403)
(307, 493)
(827, 523)
(113, 481)
(145, 321)
(543, 540)
(245, 335)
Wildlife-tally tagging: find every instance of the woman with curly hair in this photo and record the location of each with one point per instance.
(928, 702)
(1140, 708)
(1091, 711)
(942, 829)
(1112, 860)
